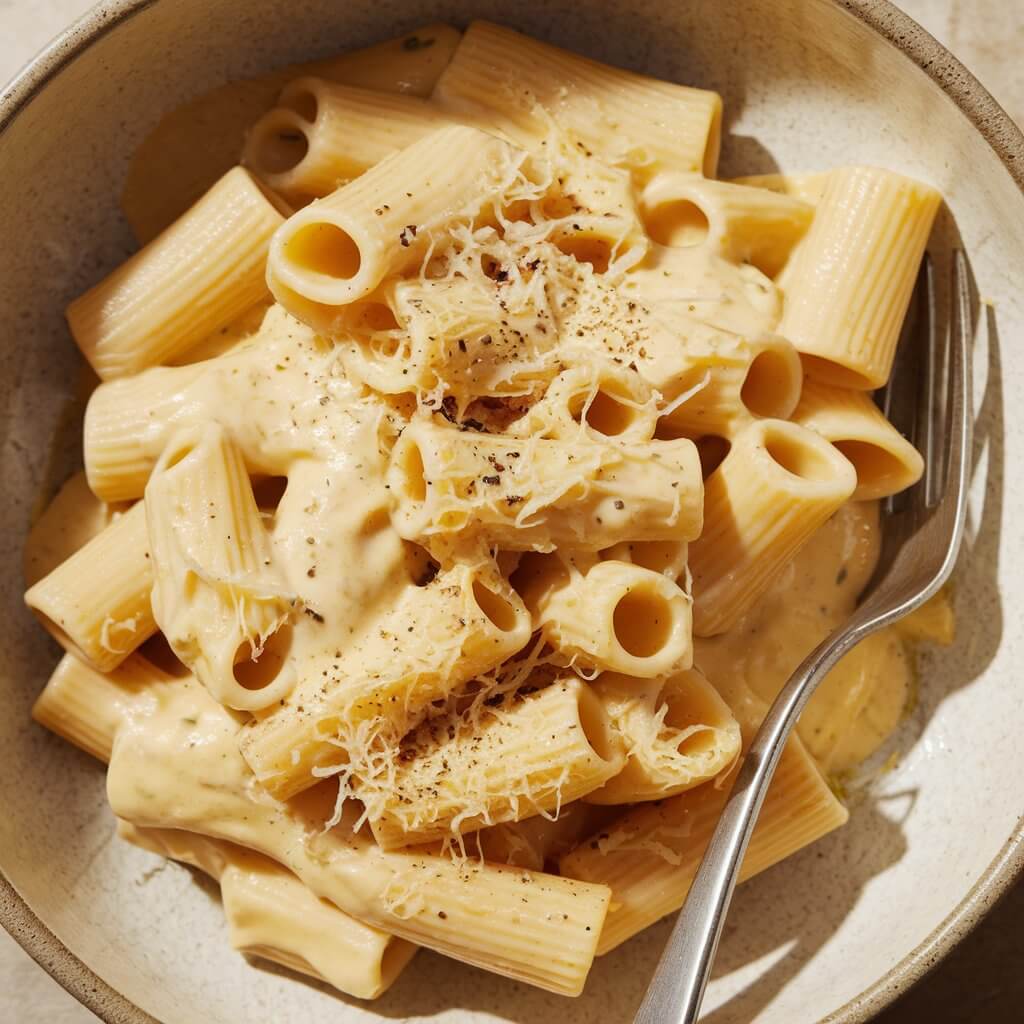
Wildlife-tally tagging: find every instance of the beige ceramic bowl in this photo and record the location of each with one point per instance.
(836, 932)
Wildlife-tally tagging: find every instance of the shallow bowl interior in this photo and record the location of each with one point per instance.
(807, 85)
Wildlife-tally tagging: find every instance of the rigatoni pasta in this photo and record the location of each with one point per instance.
(492, 467)
(202, 272)
(322, 135)
(848, 287)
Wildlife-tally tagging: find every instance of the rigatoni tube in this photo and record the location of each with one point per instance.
(848, 286)
(885, 461)
(466, 621)
(97, 603)
(525, 494)
(776, 486)
(524, 756)
(521, 85)
(741, 223)
(339, 249)
(217, 596)
(715, 383)
(599, 403)
(619, 617)
(537, 928)
(127, 424)
(678, 733)
(272, 915)
(649, 856)
(322, 135)
(87, 707)
(196, 277)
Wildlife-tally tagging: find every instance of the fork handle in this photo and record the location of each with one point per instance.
(677, 989)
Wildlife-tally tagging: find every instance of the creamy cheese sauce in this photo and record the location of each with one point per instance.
(860, 702)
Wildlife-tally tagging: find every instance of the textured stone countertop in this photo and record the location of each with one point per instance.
(984, 979)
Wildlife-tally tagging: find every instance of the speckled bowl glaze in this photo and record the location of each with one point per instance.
(833, 934)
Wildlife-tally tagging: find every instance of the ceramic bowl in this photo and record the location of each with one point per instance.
(834, 933)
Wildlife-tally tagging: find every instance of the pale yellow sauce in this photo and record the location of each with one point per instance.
(862, 699)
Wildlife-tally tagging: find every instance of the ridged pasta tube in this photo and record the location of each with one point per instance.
(649, 856)
(885, 461)
(218, 597)
(196, 277)
(339, 249)
(127, 424)
(740, 223)
(524, 494)
(534, 927)
(848, 286)
(97, 603)
(776, 486)
(87, 707)
(618, 617)
(599, 403)
(521, 85)
(322, 135)
(271, 915)
(466, 621)
(717, 382)
(525, 756)
(457, 334)
(678, 733)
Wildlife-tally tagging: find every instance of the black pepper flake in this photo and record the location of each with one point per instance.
(311, 572)
(407, 235)
(513, 499)
(462, 344)
(448, 408)
(841, 577)
(314, 615)
(492, 480)
(620, 504)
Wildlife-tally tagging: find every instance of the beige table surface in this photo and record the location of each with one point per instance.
(984, 979)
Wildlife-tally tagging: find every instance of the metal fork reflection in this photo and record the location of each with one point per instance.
(929, 398)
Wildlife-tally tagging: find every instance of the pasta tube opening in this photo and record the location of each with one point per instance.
(644, 620)
(277, 143)
(797, 455)
(771, 388)
(597, 727)
(324, 250)
(605, 412)
(679, 223)
(618, 617)
(496, 608)
(712, 451)
(587, 247)
(879, 470)
(262, 670)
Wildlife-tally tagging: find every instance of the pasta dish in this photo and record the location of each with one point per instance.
(468, 467)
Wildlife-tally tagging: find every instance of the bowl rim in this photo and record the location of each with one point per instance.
(1007, 141)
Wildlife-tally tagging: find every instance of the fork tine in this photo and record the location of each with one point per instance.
(934, 393)
(956, 448)
(907, 395)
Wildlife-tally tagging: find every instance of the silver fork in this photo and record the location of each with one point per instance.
(923, 529)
